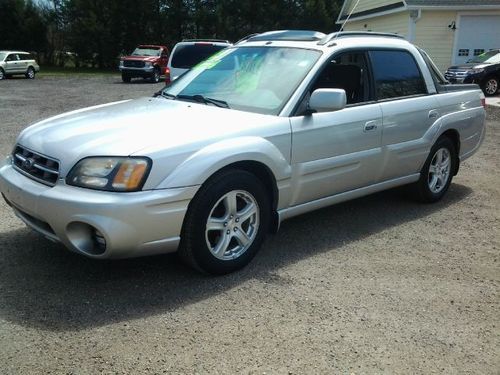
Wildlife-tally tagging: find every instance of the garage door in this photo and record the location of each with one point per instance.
(476, 34)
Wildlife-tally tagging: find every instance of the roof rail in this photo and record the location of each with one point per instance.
(246, 37)
(207, 40)
(290, 35)
(343, 34)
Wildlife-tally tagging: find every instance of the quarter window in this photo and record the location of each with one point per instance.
(396, 74)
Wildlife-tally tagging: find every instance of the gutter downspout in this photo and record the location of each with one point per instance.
(415, 15)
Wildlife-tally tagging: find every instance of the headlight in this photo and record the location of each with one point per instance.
(148, 65)
(121, 63)
(475, 71)
(110, 174)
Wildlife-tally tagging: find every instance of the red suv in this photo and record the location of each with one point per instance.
(147, 61)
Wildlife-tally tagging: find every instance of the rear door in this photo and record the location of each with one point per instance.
(408, 111)
(24, 60)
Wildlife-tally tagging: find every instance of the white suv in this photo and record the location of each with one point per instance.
(190, 52)
(16, 62)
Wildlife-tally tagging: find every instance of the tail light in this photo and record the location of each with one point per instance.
(483, 100)
(167, 75)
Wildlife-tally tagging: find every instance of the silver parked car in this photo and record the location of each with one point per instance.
(17, 62)
(280, 124)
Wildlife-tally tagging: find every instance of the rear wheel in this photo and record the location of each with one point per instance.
(490, 86)
(437, 172)
(226, 223)
(126, 78)
(30, 73)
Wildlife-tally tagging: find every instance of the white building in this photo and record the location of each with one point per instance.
(451, 31)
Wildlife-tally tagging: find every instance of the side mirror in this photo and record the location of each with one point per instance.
(327, 100)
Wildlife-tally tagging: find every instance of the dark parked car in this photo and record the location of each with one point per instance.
(483, 70)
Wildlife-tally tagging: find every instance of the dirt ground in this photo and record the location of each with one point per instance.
(376, 285)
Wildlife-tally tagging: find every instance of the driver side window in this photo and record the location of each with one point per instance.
(12, 57)
(347, 71)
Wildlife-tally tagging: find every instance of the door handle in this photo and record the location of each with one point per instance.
(370, 126)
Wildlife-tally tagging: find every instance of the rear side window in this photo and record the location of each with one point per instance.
(26, 56)
(396, 74)
(186, 56)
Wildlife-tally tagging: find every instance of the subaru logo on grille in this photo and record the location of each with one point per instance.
(28, 163)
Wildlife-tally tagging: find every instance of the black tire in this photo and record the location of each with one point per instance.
(155, 78)
(30, 73)
(490, 86)
(423, 189)
(209, 205)
(126, 78)
(2, 74)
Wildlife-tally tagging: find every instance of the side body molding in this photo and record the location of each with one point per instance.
(198, 167)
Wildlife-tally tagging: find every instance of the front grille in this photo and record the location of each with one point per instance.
(37, 166)
(133, 64)
(456, 74)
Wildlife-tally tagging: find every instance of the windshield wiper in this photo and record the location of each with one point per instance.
(164, 94)
(203, 99)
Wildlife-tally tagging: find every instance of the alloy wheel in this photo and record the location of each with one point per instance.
(491, 86)
(232, 225)
(439, 170)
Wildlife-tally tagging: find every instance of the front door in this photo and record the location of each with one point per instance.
(334, 152)
(12, 64)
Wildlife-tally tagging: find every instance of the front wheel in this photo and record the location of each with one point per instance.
(155, 78)
(2, 74)
(437, 172)
(226, 223)
(30, 73)
(490, 86)
(126, 78)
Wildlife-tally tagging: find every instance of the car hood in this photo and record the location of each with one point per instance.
(128, 127)
(469, 66)
(140, 58)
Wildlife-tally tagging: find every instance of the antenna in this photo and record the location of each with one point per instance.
(349, 15)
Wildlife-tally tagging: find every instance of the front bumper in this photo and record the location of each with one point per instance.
(137, 72)
(131, 224)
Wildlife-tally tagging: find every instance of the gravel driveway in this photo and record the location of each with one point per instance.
(377, 285)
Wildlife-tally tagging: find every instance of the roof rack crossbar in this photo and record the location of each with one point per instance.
(246, 37)
(344, 34)
(286, 35)
(206, 40)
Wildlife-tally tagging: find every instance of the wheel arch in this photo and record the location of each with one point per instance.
(252, 154)
(268, 180)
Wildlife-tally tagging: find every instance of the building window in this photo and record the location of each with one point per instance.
(478, 52)
(463, 52)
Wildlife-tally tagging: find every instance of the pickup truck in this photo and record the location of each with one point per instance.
(146, 61)
(277, 125)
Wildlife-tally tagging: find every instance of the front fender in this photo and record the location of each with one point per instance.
(196, 169)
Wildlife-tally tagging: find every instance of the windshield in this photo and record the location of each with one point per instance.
(254, 79)
(2, 56)
(141, 51)
(188, 55)
(490, 57)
